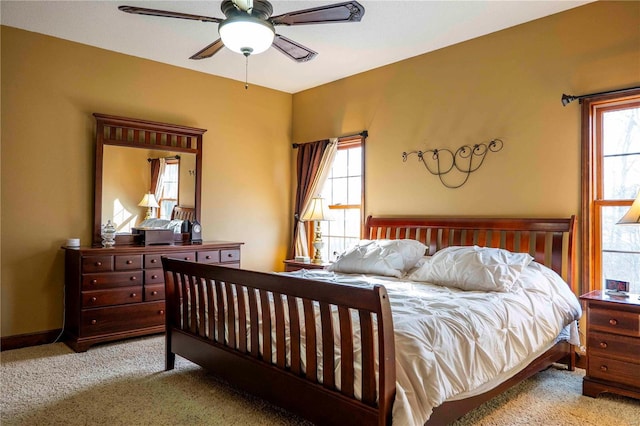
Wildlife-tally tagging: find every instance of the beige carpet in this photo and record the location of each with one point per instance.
(125, 383)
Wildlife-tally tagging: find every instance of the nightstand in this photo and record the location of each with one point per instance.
(292, 265)
(613, 344)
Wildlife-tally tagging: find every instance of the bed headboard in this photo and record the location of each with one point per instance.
(183, 213)
(549, 241)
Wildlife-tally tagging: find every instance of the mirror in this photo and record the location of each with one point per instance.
(124, 148)
(126, 178)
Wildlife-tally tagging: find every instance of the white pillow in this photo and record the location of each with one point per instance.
(473, 268)
(380, 257)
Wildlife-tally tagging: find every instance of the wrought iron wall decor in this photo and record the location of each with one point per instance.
(462, 160)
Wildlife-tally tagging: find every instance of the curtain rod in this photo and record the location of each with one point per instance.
(172, 157)
(566, 99)
(363, 133)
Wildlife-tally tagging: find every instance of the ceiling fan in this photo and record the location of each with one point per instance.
(249, 27)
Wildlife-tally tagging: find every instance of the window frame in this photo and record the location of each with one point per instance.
(347, 142)
(162, 198)
(592, 192)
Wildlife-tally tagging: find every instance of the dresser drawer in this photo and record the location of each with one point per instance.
(212, 256)
(153, 261)
(153, 276)
(111, 279)
(119, 296)
(614, 346)
(614, 370)
(128, 262)
(153, 292)
(229, 256)
(187, 255)
(615, 321)
(97, 263)
(122, 318)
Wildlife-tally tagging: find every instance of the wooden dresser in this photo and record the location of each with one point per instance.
(115, 293)
(613, 344)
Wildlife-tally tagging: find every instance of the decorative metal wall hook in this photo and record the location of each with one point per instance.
(440, 162)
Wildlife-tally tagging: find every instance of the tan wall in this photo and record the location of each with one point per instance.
(505, 85)
(50, 88)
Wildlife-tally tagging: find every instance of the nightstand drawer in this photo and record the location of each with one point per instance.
(187, 255)
(113, 279)
(615, 321)
(614, 370)
(153, 261)
(120, 296)
(613, 346)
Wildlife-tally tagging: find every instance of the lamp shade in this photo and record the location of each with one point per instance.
(318, 210)
(632, 216)
(149, 200)
(246, 34)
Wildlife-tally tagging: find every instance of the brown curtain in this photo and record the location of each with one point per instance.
(309, 160)
(155, 174)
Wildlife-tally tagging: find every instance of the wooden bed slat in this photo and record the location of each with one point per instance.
(231, 315)
(328, 355)
(265, 314)
(280, 331)
(368, 358)
(242, 320)
(294, 333)
(255, 329)
(220, 310)
(310, 341)
(346, 352)
(210, 305)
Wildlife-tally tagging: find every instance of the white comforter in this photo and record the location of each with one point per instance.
(450, 343)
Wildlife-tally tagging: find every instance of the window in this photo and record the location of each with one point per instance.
(169, 196)
(612, 183)
(344, 192)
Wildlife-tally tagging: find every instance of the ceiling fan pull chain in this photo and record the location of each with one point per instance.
(246, 72)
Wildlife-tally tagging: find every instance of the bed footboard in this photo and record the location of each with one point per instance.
(280, 337)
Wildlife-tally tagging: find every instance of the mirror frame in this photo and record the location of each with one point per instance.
(137, 133)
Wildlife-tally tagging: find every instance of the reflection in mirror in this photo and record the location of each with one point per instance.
(127, 178)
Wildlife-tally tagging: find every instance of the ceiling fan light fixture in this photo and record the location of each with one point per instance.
(246, 33)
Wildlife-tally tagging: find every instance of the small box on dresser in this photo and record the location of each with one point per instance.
(116, 293)
(613, 344)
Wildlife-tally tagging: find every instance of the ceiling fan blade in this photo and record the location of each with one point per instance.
(209, 51)
(350, 11)
(167, 14)
(293, 50)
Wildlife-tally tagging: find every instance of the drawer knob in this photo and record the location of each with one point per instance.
(154, 293)
(207, 257)
(229, 255)
(613, 321)
(94, 281)
(161, 312)
(133, 295)
(93, 322)
(186, 258)
(93, 299)
(129, 262)
(603, 345)
(153, 277)
(133, 278)
(603, 368)
(98, 263)
(154, 260)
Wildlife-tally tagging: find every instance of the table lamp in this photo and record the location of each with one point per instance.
(318, 211)
(149, 201)
(632, 216)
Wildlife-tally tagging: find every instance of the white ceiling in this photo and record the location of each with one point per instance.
(390, 31)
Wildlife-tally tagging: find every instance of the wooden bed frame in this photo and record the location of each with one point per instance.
(248, 304)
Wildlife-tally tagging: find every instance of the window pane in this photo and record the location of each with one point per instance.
(620, 248)
(352, 223)
(621, 151)
(622, 266)
(339, 167)
(354, 190)
(336, 226)
(355, 161)
(339, 194)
